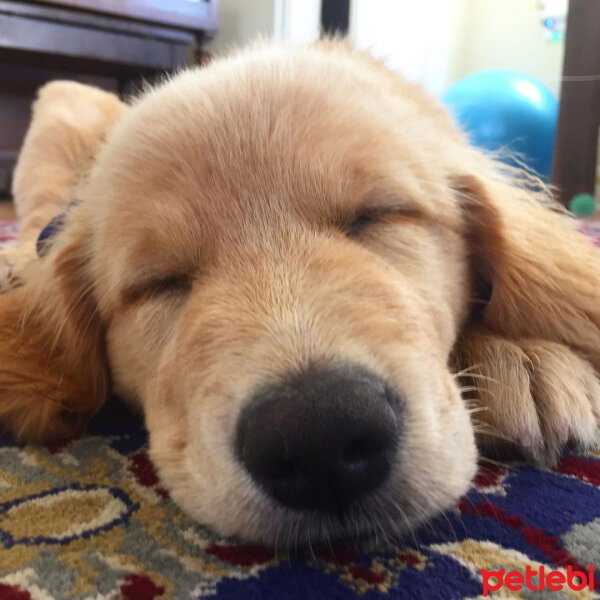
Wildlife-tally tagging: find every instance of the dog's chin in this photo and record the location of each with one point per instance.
(367, 523)
(380, 518)
(375, 521)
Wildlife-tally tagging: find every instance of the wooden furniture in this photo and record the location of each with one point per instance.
(579, 118)
(109, 43)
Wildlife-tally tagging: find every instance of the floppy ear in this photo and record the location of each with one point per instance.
(53, 375)
(542, 276)
(70, 121)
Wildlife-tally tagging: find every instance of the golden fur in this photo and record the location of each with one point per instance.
(280, 208)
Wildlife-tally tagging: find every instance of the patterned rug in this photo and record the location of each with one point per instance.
(89, 519)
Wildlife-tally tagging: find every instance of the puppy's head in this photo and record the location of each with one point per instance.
(281, 274)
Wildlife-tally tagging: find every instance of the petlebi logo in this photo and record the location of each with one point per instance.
(538, 580)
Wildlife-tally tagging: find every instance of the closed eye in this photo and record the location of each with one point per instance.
(374, 215)
(169, 285)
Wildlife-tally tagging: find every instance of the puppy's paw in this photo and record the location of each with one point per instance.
(536, 396)
(82, 111)
(13, 263)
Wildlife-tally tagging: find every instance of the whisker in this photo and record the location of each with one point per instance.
(465, 370)
(497, 463)
(468, 388)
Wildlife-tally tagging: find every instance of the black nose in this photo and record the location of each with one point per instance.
(322, 439)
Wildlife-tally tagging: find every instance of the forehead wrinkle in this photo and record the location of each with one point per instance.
(267, 141)
(232, 165)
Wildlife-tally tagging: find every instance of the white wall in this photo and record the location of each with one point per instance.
(504, 34)
(242, 21)
(297, 20)
(414, 37)
(439, 41)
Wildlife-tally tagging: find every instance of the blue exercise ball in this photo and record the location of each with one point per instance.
(508, 110)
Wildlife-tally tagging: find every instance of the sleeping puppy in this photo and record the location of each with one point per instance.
(284, 259)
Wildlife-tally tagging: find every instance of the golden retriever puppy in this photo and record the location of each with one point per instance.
(282, 259)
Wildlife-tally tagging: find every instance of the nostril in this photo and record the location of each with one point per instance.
(359, 453)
